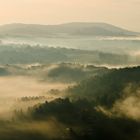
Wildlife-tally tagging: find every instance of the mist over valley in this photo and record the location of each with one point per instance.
(72, 81)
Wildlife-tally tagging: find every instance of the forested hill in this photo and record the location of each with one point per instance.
(108, 88)
(26, 54)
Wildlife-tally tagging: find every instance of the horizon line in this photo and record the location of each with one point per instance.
(72, 22)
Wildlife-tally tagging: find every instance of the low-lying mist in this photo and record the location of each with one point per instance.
(69, 101)
(14, 89)
(19, 86)
(129, 104)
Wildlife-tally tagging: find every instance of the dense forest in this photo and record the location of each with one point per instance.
(28, 54)
(101, 104)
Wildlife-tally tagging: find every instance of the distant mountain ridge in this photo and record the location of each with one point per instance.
(64, 30)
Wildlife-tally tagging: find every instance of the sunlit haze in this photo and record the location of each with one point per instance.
(123, 13)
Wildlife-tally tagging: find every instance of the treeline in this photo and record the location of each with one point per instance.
(27, 54)
(82, 121)
(78, 116)
(107, 88)
(62, 72)
(69, 72)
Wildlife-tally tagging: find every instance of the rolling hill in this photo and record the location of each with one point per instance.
(63, 30)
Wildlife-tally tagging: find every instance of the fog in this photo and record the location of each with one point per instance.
(127, 106)
(104, 44)
(14, 88)
(20, 86)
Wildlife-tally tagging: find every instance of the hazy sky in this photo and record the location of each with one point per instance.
(125, 13)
